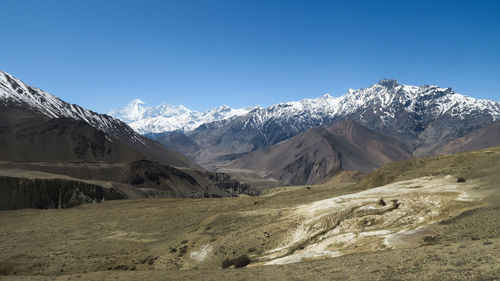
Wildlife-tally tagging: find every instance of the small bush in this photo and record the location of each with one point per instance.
(461, 179)
(381, 202)
(242, 261)
(429, 239)
(238, 262)
(395, 203)
(226, 263)
(182, 250)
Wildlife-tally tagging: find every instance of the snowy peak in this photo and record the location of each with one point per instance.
(137, 101)
(131, 112)
(388, 83)
(166, 117)
(14, 92)
(382, 104)
(388, 96)
(167, 110)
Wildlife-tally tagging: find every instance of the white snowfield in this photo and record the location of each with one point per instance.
(385, 99)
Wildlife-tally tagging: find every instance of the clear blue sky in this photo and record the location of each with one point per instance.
(101, 54)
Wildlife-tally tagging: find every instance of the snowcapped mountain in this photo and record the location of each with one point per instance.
(380, 105)
(385, 105)
(165, 117)
(425, 116)
(16, 94)
(132, 112)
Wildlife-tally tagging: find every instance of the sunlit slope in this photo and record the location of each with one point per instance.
(418, 223)
(483, 164)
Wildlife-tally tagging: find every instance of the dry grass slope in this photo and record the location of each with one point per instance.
(187, 239)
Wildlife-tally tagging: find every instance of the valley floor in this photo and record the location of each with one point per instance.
(420, 225)
(466, 260)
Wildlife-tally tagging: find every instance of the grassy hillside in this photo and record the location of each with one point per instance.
(483, 164)
(179, 239)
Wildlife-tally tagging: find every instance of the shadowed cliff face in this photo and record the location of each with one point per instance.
(18, 193)
(173, 182)
(133, 180)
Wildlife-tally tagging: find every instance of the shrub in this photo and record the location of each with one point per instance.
(238, 262)
(226, 263)
(241, 261)
(381, 202)
(430, 239)
(461, 179)
(182, 250)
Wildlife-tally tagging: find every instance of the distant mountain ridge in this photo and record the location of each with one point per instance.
(165, 117)
(424, 116)
(387, 98)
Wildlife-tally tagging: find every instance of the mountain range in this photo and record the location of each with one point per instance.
(57, 155)
(425, 118)
(40, 133)
(165, 117)
(301, 142)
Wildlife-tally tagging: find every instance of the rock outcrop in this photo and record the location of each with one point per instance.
(18, 193)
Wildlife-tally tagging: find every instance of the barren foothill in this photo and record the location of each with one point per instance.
(417, 223)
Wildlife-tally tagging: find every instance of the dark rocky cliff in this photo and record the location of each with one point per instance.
(18, 193)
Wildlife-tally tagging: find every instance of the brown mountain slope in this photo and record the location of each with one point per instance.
(484, 137)
(27, 136)
(31, 143)
(17, 96)
(319, 153)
